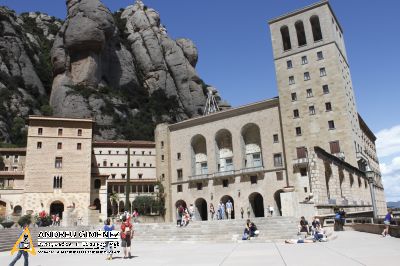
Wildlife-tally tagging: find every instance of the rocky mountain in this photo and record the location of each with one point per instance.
(120, 68)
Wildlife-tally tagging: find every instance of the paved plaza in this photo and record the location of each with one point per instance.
(350, 248)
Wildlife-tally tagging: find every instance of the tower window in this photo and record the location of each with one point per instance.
(298, 131)
(225, 183)
(276, 138)
(162, 144)
(140, 176)
(328, 106)
(278, 160)
(40, 131)
(79, 146)
(279, 176)
(291, 80)
(320, 55)
(59, 146)
(253, 179)
(325, 89)
(331, 124)
(307, 76)
(316, 28)
(334, 146)
(304, 60)
(296, 113)
(286, 38)
(39, 145)
(179, 188)
(322, 72)
(309, 93)
(60, 131)
(58, 162)
(311, 109)
(179, 173)
(289, 64)
(301, 34)
(199, 186)
(79, 132)
(294, 96)
(178, 156)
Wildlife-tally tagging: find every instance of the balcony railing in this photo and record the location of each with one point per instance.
(224, 173)
(340, 155)
(250, 170)
(199, 177)
(300, 161)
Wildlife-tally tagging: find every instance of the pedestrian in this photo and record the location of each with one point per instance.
(126, 237)
(53, 219)
(108, 227)
(192, 212)
(21, 252)
(135, 215)
(248, 212)
(58, 219)
(241, 212)
(387, 222)
(212, 211)
(229, 209)
(179, 214)
(271, 211)
(219, 211)
(222, 211)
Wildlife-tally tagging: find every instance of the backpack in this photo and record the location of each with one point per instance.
(123, 230)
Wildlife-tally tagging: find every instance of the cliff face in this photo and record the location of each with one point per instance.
(122, 69)
(25, 70)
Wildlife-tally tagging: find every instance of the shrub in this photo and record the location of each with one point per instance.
(46, 110)
(26, 219)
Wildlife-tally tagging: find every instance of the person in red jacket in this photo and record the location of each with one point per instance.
(126, 236)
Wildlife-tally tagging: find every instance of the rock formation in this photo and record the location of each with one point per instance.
(122, 69)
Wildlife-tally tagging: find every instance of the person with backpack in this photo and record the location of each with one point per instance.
(126, 237)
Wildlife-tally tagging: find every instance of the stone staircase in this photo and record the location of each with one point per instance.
(275, 228)
(216, 231)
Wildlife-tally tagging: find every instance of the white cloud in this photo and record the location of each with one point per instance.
(391, 178)
(388, 141)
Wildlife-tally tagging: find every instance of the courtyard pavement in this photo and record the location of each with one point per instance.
(349, 248)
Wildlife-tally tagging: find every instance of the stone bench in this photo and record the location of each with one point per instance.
(394, 230)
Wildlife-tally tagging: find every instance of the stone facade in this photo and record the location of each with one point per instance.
(324, 143)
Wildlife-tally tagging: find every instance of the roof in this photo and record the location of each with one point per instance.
(228, 113)
(56, 118)
(11, 173)
(124, 144)
(364, 127)
(304, 9)
(13, 150)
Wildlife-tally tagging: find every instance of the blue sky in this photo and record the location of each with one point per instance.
(235, 54)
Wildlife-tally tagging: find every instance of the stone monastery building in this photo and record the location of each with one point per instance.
(305, 152)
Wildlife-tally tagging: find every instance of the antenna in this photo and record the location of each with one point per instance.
(211, 104)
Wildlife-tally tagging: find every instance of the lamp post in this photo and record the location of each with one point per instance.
(370, 174)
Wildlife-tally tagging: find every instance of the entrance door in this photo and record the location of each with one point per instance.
(201, 209)
(57, 207)
(257, 204)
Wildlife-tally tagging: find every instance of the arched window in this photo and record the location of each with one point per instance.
(301, 34)
(60, 182)
(316, 28)
(286, 38)
(54, 182)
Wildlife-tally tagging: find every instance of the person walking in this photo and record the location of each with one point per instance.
(126, 237)
(387, 222)
(212, 211)
(241, 212)
(21, 252)
(179, 214)
(108, 227)
(248, 212)
(222, 211)
(192, 212)
(229, 209)
(271, 210)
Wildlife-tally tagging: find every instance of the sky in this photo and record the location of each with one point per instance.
(235, 54)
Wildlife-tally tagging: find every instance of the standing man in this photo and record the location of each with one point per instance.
(222, 211)
(126, 237)
(191, 212)
(229, 209)
(271, 210)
